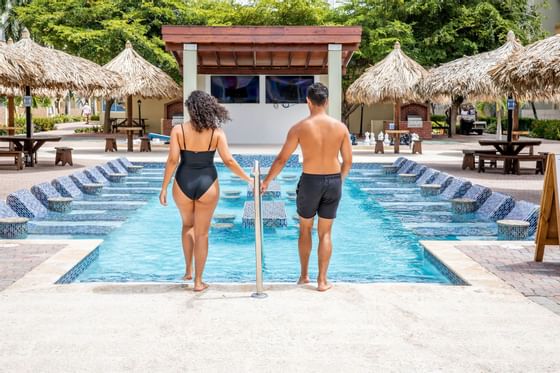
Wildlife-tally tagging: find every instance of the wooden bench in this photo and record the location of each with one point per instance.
(515, 160)
(469, 158)
(16, 155)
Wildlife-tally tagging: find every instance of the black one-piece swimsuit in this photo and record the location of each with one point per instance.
(196, 172)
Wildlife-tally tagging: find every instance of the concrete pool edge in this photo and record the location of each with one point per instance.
(49, 273)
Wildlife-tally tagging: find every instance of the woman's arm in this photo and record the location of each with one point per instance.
(227, 158)
(170, 165)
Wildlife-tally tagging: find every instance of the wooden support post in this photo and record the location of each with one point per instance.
(129, 109)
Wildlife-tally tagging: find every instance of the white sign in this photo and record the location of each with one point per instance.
(510, 104)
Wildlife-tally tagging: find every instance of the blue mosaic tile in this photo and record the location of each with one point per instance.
(512, 232)
(456, 189)
(478, 193)
(274, 190)
(13, 228)
(117, 167)
(26, 205)
(67, 188)
(84, 183)
(273, 214)
(525, 211)
(406, 167)
(43, 192)
(399, 161)
(247, 160)
(453, 277)
(427, 177)
(73, 274)
(105, 170)
(6, 211)
(96, 176)
(89, 228)
(496, 207)
(442, 179)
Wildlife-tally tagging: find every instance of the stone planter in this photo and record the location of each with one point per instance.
(13, 228)
(430, 190)
(390, 169)
(134, 169)
(116, 178)
(224, 218)
(407, 178)
(60, 204)
(463, 205)
(93, 188)
(513, 230)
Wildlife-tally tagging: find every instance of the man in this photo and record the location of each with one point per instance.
(86, 111)
(321, 138)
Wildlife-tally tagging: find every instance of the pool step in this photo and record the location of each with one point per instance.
(138, 190)
(416, 206)
(72, 227)
(431, 229)
(88, 215)
(117, 205)
(390, 191)
(116, 197)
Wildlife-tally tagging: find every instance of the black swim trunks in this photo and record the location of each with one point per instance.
(318, 194)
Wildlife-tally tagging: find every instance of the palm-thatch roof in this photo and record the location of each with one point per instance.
(533, 73)
(393, 79)
(141, 78)
(468, 76)
(15, 70)
(62, 71)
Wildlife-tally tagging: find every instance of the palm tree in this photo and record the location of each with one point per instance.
(10, 25)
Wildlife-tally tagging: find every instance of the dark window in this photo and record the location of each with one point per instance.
(235, 89)
(287, 89)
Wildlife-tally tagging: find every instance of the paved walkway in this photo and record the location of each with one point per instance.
(540, 282)
(18, 259)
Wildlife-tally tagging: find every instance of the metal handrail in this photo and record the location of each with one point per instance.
(258, 232)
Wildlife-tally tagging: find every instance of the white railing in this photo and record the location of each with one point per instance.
(258, 232)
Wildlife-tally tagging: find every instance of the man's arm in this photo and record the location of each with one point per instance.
(289, 147)
(346, 152)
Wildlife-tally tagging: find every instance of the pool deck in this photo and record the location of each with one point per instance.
(487, 326)
(508, 319)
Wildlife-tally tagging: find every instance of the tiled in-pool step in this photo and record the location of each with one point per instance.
(401, 197)
(435, 216)
(116, 197)
(72, 227)
(89, 215)
(376, 190)
(138, 190)
(431, 229)
(413, 206)
(120, 205)
(144, 178)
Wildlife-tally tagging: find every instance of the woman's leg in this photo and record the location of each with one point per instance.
(203, 211)
(186, 208)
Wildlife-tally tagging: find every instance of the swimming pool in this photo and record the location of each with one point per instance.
(371, 242)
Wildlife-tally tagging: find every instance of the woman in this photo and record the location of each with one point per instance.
(196, 190)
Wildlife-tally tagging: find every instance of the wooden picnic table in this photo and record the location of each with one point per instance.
(117, 123)
(129, 134)
(29, 145)
(510, 148)
(396, 136)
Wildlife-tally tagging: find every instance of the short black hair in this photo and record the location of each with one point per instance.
(318, 94)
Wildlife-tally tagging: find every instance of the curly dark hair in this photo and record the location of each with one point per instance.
(205, 111)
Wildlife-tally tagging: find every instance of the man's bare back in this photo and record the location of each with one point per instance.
(321, 139)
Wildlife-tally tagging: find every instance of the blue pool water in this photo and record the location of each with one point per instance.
(371, 242)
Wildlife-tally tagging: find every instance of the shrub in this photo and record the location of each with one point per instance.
(491, 129)
(94, 117)
(546, 129)
(94, 129)
(437, 118)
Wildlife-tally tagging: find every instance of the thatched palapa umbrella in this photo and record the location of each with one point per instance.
(391, 80)
(468, 77)
(141, 78)
(533, 73)
(61, 72)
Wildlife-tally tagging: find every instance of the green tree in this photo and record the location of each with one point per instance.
(11, 26)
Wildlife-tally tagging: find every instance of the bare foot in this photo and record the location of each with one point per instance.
(200, 287)
(187, 276)
(303, 280)
(324, 286)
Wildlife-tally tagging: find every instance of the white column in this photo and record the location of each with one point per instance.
(190, 62)
(335, 80)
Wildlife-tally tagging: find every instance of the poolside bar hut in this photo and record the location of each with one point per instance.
(391, 80)
(141, 79)
(261, 74)
(60, 72)
(468, 77)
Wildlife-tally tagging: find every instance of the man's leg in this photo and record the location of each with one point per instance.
(304, 244)
(324, 252)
